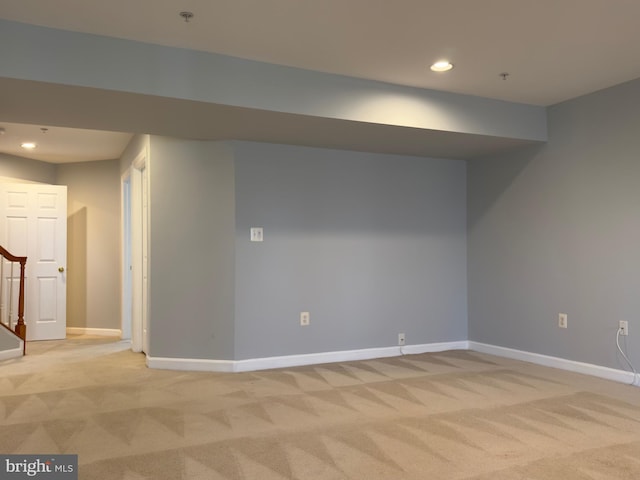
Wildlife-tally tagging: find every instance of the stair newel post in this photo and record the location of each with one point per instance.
(21, 328)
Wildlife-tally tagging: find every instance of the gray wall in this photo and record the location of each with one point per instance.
(557, 229)
(371, 245)
(20, 169)
(93, 239)
(191, 257)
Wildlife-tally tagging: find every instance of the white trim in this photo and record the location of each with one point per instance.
(140, 161)
(621, 376)
(126, 309)
(252, 364)
(137, 275)
(190, 364)
(103, 332)
(13, 353)
(315, 358)
(265, 363)
(434, 347)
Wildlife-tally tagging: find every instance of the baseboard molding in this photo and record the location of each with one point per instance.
(13, 353)
(621, 376)
(190, 364)
(434, 347)
(266, 363)
(253, 364)
(103, 332)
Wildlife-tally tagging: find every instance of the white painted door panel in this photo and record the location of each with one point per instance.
(33, 223)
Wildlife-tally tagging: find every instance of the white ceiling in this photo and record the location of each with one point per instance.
(553, 50)
(61, 145)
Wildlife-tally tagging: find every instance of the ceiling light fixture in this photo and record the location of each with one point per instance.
(442, 66)
(28, 145)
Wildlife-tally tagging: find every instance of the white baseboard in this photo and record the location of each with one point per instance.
(190, 364)
(434, 347)
(266, 363)
(252, 364)
(103, 332)
(621, 376)
(13, 353)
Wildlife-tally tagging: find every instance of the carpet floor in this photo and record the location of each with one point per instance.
(449, 415)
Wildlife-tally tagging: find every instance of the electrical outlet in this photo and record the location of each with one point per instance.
(401, 339)
(305, 318)
(623, 327)
(562, 320)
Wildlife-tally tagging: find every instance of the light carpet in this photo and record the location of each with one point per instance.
(450, 415)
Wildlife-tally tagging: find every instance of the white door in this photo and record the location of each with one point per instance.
(33, 223)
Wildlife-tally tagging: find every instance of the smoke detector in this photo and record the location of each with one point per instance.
(187, 16)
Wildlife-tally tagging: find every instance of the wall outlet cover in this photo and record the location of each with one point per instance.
(623, 326)
(562, 320)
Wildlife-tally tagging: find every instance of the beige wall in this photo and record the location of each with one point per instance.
(93, 240)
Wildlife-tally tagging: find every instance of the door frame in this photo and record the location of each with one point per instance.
(134, 248)
(126, 260)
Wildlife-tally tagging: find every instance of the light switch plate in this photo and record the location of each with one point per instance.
(257, 234)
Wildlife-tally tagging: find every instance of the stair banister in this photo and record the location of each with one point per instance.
(21, 327)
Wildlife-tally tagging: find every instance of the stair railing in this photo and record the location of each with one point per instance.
(7, 317)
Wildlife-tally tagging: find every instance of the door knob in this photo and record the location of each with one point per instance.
(61, 269)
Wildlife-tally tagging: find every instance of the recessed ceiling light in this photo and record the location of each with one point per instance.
(28, 145)
(442, 66)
